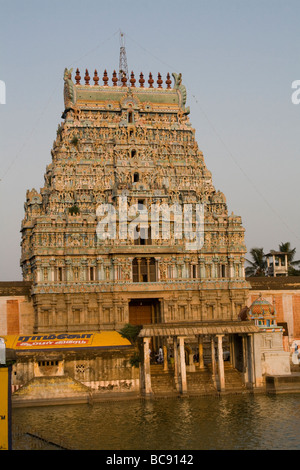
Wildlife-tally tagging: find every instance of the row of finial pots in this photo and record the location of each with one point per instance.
(123, 79)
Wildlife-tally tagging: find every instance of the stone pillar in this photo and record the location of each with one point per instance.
(232, 350)
(200, 350)
(243, 267)
(161, 311)
(52, 315)
(231, 269)
(176, 365)
(38, 325)
(84, 273)
(115, 263)
(256, 343)
(245, 360)
(202, 305)
(69, 272)
(202, 268)
(182, 365)
(233, 313)
(99, 304)
(251, 360)
(213, 357)
(147, 374)
(68, 317)
(221, 363)
(148, 269)
(52, 270)
(139, 269)
(85, 310)
(165, 351)
(191, 366)
(157, 270)
(274, 270)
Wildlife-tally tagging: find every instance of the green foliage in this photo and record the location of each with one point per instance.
(74, 210)
(293, 271)
(135, 360)
(130, 332)
(258, 265)
(75, 141)
(293, 265)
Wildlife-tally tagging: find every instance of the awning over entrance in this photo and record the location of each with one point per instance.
(194, 329)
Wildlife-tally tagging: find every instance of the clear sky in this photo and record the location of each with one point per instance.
(238, 59)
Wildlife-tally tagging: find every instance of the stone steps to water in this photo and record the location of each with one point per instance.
(162, 382)
(56, 388)
(233, 379)
(199, 382)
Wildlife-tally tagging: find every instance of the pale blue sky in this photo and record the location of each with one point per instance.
(238, 59)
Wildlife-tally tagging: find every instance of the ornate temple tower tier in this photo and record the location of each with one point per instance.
(128, 226)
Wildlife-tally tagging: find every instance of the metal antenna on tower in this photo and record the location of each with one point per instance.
(123, 68)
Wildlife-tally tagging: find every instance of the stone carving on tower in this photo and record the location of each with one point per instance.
(132, 143)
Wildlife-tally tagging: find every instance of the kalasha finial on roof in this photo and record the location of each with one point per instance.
(124, 79)
(150, 81)
(87, 77)
(96, 78)
(132, 80)
(77, 77)
(168, 81)
(159, 80)
(115, 78)
(116, 82)
(105, 78)
(141, 80)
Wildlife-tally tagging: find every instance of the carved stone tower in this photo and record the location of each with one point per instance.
(134, 145)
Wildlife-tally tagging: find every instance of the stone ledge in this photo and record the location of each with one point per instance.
(283, 383)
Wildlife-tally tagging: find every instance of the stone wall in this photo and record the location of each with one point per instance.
(98, 370)
(16, 308)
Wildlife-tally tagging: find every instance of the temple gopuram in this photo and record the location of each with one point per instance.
(129, 229)
(134, 143)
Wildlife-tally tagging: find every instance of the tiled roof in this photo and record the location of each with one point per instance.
(14, 288)
(200, 329)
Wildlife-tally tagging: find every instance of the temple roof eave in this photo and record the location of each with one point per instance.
(194, 329)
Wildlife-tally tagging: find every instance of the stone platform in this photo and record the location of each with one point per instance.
(284, 383)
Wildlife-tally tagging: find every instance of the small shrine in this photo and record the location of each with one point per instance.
(264, 315)
(274, 361)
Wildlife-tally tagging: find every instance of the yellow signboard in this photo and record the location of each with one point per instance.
(5, 424)
(103, 339)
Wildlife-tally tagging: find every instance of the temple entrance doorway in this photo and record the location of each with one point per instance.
(144, 311)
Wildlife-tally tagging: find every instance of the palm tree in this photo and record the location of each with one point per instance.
(259, 264)
(292, 265)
